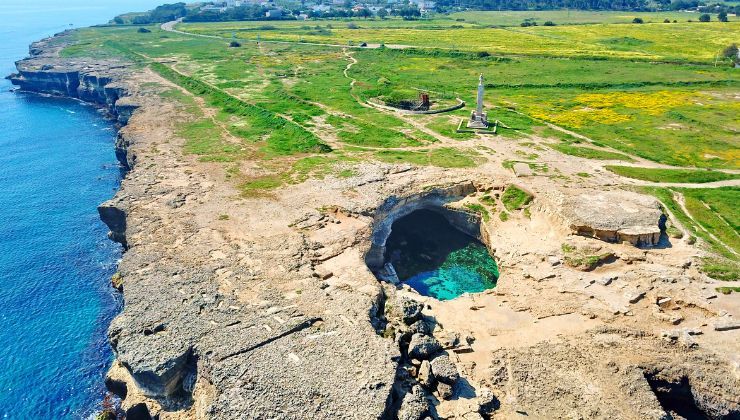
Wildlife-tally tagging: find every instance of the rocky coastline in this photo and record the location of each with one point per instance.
(266, 308)
(158, 364)
(98, 84)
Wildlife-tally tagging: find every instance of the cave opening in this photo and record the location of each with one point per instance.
(676, 397)
(425, 251)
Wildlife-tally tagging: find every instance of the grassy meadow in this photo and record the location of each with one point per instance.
(712, 216)
(624, 91)
(672, 175)
(649, 42)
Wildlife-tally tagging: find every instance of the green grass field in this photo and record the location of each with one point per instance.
(671, 175)
(711, 215)
(683, 115)
(648, 42)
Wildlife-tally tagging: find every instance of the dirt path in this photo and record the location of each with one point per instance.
(716, 184)
(444, 140)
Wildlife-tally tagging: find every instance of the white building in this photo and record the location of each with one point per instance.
(214, 8)
(424, 4)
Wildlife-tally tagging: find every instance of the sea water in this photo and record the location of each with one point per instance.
(436, 259)
(56, 165)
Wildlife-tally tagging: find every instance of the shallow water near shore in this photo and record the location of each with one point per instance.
(57, 164)
(436, 259)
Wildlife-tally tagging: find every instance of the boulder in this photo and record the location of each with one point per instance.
(420, 327)
(444, 391)
(606, 280)
(414, 405)
(487, 402)
(634, 296)
(425, 374)
(612, 216)
(726, 325)
(450, 340)
(423, 346)
(443, 369)
(410, 310)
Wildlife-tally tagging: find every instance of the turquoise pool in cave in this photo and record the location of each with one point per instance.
(436, 259)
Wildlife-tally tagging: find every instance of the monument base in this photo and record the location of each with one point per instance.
(488, 129)
(478, 121)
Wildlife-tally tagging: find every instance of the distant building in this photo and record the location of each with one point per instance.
(321, 8)
(235, 3)
(274, 14)
(424, 5)
(214, 8)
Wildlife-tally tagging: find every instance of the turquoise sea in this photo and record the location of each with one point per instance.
(56, 165)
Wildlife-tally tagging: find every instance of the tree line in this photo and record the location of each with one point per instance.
(169, 12)
(546, 4)
(632, 5)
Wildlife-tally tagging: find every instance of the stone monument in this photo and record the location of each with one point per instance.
(478, 118)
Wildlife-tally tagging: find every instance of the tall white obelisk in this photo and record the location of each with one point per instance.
(478, 118)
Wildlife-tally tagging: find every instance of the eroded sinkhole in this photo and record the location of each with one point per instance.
(676, 397)
(427, 252)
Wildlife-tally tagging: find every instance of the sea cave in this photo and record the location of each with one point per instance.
(435, 252)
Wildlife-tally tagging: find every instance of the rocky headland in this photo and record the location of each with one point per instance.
(267, 307)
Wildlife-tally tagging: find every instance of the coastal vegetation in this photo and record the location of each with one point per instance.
(514, 198)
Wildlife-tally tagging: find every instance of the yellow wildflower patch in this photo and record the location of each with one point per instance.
(577, 118)
(653, 103)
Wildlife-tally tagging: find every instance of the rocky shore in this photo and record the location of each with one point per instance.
(265, 307)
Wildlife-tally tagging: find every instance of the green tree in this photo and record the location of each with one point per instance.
(410, 11)
(705, 18)
(364, 13)
(637, 20)
(730, 52)
(382, 13)
(722, 16)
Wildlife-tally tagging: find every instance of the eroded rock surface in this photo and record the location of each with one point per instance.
(610, 215)
(607, 373)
